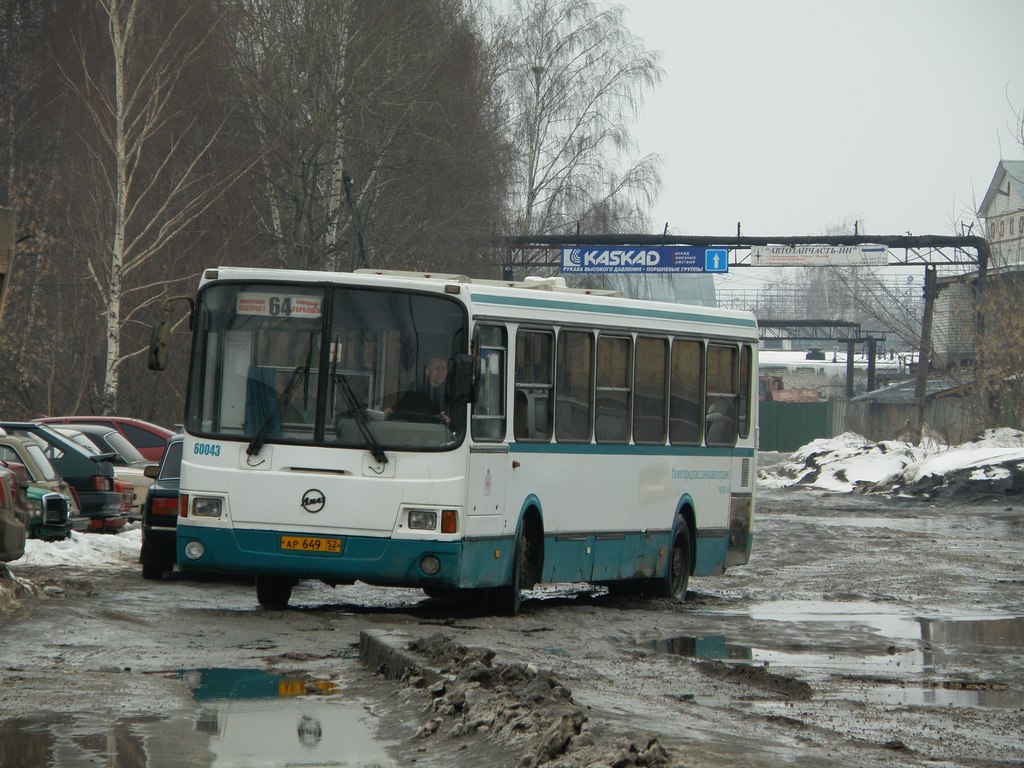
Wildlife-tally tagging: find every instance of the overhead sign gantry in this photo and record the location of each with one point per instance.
(929, 251)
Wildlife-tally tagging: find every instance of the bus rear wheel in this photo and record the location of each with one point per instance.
(274, 592)
(674, 583)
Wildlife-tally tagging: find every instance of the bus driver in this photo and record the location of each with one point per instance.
(431, 400)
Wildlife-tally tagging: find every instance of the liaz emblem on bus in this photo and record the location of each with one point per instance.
(277, 304)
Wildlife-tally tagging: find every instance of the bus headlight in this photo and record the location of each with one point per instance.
(422, 519)
(204, 506)
(430, 565)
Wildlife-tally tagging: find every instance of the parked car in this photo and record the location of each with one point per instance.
(160, 513)
(49, 518)
(148, 439)
(12, 527)
(91, 477)
(129, 464)
(42, 477)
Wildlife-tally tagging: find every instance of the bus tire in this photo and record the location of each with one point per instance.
(152, 570)
(274, 592)
(507, 600)
(674, 583)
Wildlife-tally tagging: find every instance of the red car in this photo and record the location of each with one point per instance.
(150, 439)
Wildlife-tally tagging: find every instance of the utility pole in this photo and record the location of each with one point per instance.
(931, 290)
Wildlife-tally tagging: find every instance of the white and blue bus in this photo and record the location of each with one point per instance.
(461, 436)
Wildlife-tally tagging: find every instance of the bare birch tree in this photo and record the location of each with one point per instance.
(574, 78)
(150, 157)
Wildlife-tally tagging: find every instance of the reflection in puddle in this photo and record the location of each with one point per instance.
(255, 718)
(939, 639)
(72, 741)
(247, 717)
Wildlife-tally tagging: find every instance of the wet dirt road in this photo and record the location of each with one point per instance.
(865, 631)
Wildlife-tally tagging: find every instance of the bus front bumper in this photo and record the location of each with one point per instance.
(374, 560)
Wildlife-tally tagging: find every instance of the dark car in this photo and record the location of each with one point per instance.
(91, 477)
(129, 464)
(160, 513)
(149, 439)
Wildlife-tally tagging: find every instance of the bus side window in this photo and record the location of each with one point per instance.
(686, 411)
(612, 389)
(573, 381)
(746, 367)
(535, 379)
(721, 395)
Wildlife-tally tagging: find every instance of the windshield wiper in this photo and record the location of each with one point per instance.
(256, 444)
(359, 414)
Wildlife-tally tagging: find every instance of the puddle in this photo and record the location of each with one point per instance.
(246, 717)
(716, 648)
(255, 718)
(939, 642)
(943, 696)
(976, 633)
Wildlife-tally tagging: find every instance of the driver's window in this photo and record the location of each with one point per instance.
(489, 407)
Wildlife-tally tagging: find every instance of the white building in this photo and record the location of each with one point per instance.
(1002, 210)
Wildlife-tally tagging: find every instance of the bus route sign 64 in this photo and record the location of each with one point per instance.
(644, 259)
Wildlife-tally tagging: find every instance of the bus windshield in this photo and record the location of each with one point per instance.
(340, 366)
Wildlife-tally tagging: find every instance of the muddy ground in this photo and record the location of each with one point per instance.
(866, 630)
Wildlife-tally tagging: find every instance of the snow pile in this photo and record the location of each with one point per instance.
(990, 465)
(85, 550)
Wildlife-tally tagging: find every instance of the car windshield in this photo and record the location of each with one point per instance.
(170, 468)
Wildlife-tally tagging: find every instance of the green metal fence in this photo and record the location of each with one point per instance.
(787, 426)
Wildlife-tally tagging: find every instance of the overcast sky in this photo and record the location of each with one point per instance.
(792, 116)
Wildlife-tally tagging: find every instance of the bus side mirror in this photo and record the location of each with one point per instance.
(158, 341)
(462, 382)
(160, 336)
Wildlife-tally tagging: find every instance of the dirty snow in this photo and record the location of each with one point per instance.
(852, 463)
(85, 550)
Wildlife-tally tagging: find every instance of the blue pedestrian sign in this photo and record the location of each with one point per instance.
(644, 259)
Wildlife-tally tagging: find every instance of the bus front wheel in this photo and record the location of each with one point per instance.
(274, 592)
(506, 600)
(674, 583)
